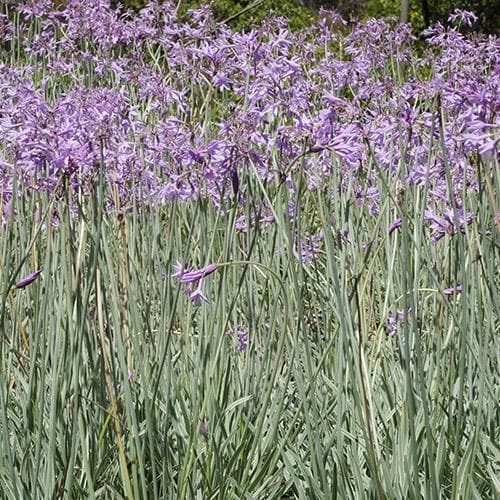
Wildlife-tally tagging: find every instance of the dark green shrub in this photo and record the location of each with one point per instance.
(242, 14)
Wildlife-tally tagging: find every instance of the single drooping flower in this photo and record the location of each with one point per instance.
(198, 274)
(27, 280)
(453, 290)
(397, 223)
(196, 296)
(203, 429)
(193, 280)
(447, 225)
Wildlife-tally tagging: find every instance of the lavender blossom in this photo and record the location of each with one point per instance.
(196, 296)
(27, 280)
(203, 429)
(464, 17)
(396, 320)
(241, 337)
(194, 280)
(453, 290)
(198, 274)
(394, 225)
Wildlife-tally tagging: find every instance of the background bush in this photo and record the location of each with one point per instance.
(244, 13)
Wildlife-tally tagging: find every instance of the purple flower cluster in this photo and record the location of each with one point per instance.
(193, 280)
(98, 85)
(396, 321)
(241, 337)
(310, 248)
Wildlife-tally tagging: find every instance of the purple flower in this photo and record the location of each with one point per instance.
(241, 336)
(453, 290)
(397, 223)
(198, 274)
(463, 17)
(27, 280)
(444, 225)
(235, 181)
(192, 279)
(196, 296)
(392, 324)
(310, 248)
(221, 81)
(178, 270)
(396, 320)
(243, 340)
(203, 429)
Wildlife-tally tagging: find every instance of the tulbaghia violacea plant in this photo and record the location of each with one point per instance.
(282, 109)
(345, 175)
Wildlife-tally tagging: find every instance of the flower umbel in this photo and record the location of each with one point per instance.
(465, 17)
(194, 280)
